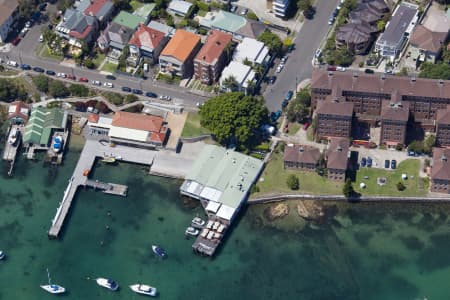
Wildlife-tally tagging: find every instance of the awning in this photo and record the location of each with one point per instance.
(212, 206)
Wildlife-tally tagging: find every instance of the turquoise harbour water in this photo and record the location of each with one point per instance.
(365, 252)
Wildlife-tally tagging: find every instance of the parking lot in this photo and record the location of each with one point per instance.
(379, 156)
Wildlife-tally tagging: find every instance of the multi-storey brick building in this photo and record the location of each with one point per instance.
(337, 158)
(301, 157)
(394, 122)
(367, 92)
(334, 119)
(443, 127)
(440, 171)
(212, 57)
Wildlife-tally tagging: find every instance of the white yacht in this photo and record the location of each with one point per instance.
(53, 288)
(2, 255)
(192, 231)
(144, 289)
(107, 283)
(198, 221)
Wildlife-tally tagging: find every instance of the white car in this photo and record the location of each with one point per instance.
(12, 63)
(165, 97)
(41, 38)
(342, 69)
(62, 75)
(108, 84)
(96, 82)
(318, 53)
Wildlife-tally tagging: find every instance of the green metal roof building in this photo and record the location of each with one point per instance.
(41, 124)
(128, 20)
(223, 178)
(223, 20)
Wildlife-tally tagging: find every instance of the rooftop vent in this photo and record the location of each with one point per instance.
(382, 77)
(441, 82)
(444, 158)
(330, 73)
(355, 74)
(413, 79)
(339, 148)
(301, 149)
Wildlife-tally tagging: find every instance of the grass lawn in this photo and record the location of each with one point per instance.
(109, 67)
(136, 4)
(192, 126)
(414, 186)
(99, 58)
(294, 127)
(275, 177)
(44, 51)
(8, 72)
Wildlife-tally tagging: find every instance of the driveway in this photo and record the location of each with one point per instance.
(299, 66)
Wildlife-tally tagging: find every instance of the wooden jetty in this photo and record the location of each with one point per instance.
(11, 149)
(93, 149)
(210, 237)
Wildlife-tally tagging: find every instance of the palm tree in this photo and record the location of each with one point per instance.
(230, 83)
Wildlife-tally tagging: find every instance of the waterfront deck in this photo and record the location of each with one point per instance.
(57, 157)
(210, 237)
(93, 149)
(10, 151)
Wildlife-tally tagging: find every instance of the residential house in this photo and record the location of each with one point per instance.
(337, 156)
(370, 11)
(252, 51)
(243, 76)
(146, 42)
(394, 122)
(429, 37)
(41, 125)
(443, 127)
(8, 15)
(177, 58)
(136, 130)
(234, 24)
(367, 92)
(396, 35)
(100, 9)
(357, 37)
(301, 157)
(179, 7)
(440, 171)
(280, 7)
(18, 112)
(128, 20)
(115, 36)
(145, 11)
(77, 28)
(334, 119)
(211, 59)
(167, 30)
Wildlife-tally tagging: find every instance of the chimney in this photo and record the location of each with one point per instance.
(444, 158)
(355, 74)
(301, 149)
(441, 82)
(339, 148)
(383, 77)
(413, 79)
(218, 43)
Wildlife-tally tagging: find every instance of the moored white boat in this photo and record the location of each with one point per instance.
(54, 288)
(192, 231)
(198, 221)
(159, 251)
(107, 283)
(144, 289)
(2, 255)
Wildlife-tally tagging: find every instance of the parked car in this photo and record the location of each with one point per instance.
(151, 95)
(279, 68)
(386, 164)
(393, 164)
(318, 53)
(25, 67)
(83, 79)
(108, 85)
(12, 63)
(165, 97)
(284, 103)
(38, 69)
(369, 71)
(23, 32)
(16, 41)
(331, 68)
(274, 116)
(62, 75)
(289, 95)
(136, 91)
(41, 38)
(96, 82)
(50, 72)
(306, 126)
(284, 59)
(28, 24)
(341, 69)
(331, 20)
(43, 6)
(363, 162)
(126, 89)
(369, 161)
(233, 8)
(244, 12)
(72, 77)
(272, 79)
(110, 77)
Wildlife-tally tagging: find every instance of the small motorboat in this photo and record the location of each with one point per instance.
(57, 144)
(192, 231)
(198, 221)
(109, 159)
(144, 289)
(2, 255)
(107, 283)
(159, 251)
(52, 288)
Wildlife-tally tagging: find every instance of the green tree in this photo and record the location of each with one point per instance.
(252, 16)
(293, 182)
(348, 190)
(429, 143)
(304, 96)
(58, 89)
(304, 4)
(381, 24)
(271, 40)
(230, 84)
(416, 146)
(234, 118)
(400, 186)
(78, 90)
(435, 71)
(341, 57)
(89, 63)
(403, 72)
(41, 83)
(130, 98)
(10, 90)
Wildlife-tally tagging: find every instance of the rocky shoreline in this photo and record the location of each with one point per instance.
(307, 210)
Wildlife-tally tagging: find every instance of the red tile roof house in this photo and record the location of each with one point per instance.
(440, 171)
(147, 43)
(18, 112)
(100, 9)
(337, 158)
(212, 58)
(443, 127)
(301, 157)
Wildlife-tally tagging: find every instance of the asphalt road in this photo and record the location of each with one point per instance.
(298, 66)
